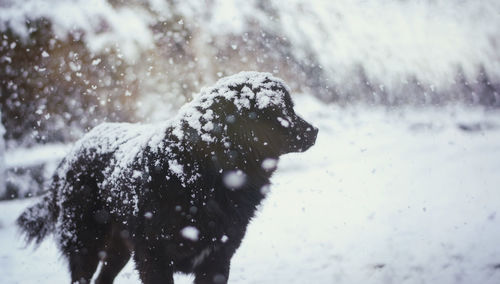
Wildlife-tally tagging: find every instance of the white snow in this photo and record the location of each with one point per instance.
(285, 123)
(400, 196)
(176, 168)
(37, 155)
(269, 164)
(234, 179)
(190, 233)
(148, 215)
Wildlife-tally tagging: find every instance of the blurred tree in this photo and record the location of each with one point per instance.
(51, 89)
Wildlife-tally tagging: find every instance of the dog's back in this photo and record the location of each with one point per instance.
(97, 161)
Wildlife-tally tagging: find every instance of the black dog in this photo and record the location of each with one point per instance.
(178, 194)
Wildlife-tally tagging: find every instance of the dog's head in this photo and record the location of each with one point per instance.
(283, 129)
(249, 111)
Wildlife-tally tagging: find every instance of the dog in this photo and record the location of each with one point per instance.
(177, 195)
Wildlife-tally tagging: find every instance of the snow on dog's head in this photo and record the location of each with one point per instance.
(243, 88)
(231, 96)
(251, 108)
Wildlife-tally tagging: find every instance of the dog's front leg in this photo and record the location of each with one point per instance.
(153, 264)
(214, 269)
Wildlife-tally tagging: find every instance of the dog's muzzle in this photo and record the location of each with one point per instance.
(304, 136)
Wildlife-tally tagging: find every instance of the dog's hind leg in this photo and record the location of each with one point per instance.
(82, 266)
(83, 260)
(117, 254)
(84, 239)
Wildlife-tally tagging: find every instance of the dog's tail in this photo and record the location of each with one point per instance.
(39, 220)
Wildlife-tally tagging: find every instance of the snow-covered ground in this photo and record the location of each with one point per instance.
(401, 196)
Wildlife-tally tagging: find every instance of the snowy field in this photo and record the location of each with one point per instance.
(401, 196)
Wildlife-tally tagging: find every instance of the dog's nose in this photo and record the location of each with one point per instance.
(315, 131)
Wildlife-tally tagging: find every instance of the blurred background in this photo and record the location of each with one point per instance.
(402, 186)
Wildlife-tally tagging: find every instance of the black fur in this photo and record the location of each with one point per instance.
(96, 217)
